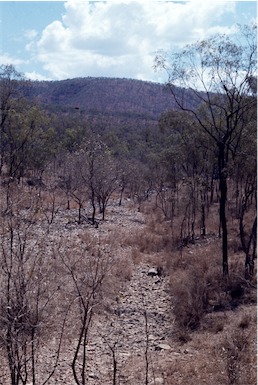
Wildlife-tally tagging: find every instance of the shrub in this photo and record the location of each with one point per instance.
(237, 358)
(190, 299)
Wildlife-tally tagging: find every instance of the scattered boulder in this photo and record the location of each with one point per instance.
(93, 376)
(152, 272)
(163, 347)
(158, 380)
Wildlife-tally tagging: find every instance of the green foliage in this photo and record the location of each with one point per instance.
(27, 140)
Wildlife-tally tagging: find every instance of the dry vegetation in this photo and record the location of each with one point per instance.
(188, 325)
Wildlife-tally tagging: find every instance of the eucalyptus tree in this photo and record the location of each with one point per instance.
(89, 174)
(27, 140)
(188, 159)
(71, 181)
(9, 90)
(99, 173)
(219, 74)
(245, 177)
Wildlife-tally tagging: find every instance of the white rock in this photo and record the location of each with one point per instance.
(163, 347)
(152, 272)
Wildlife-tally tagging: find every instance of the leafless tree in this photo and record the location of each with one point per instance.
(86, 270)
(72, 182)
(29, 291)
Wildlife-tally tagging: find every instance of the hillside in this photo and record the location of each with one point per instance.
(108, 96)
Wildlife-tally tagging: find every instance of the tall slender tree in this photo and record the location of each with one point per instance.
(220, 73)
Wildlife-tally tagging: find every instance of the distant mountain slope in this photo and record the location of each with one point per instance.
(106, 96)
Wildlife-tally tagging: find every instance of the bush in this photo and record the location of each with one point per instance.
(237, 357)
(190, 299)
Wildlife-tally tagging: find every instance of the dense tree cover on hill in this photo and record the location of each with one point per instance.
(126, 97)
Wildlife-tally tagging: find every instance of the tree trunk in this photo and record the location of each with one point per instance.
(249, 260)
(223, 201)
(80, 213)
(203, 224)
(121, 196)
(223, 220)
(93, 207)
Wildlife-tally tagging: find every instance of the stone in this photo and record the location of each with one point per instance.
(163, 347)
(152, 337)
(152, 272)
(158, 380)
(93, 375)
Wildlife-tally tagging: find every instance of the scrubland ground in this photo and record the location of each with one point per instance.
(182, 324)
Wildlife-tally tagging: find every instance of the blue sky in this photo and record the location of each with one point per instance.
(56, 40)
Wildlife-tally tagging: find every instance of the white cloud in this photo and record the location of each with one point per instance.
(35, 76)
(7, 59)
(120, 38)
(30, 34)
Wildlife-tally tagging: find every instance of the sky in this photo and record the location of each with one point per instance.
(55, 40)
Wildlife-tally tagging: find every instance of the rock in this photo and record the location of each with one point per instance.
(152, 337)
(158, 380)
(189, 351)
(162, 347)
(93, 375)
(152, 272)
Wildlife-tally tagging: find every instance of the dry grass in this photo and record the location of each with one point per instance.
(213, 338)
(215, 318)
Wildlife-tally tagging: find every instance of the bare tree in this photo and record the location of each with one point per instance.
(29, 291)
(86, 270)
(106, 181)
(72, 182)
(98, 172)
(112, 344)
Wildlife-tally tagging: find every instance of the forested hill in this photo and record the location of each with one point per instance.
(105, 96)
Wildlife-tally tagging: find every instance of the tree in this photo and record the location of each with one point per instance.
(186, 156)
(24, 140)
(71, 181)
(29, 295)
(9, 79)
(98, 172)
(251, 239)
(86, 270)
(106, 180)
(219, 73)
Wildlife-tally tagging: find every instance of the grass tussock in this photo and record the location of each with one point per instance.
(237, 358)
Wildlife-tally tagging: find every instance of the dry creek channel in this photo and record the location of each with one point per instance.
(143, 302)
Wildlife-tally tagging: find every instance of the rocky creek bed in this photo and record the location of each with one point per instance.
(139, 323)
(135, 329)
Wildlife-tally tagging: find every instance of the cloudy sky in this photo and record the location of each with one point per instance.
(56, 40)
